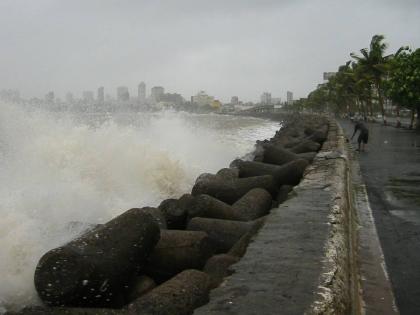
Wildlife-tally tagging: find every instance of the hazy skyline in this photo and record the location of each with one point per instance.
(226, 48)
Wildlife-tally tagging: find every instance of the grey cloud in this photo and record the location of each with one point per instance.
(238, 47)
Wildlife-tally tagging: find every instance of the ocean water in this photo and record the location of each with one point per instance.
(59, 171)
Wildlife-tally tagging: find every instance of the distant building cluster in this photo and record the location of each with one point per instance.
(157, 99)
(9, 95)
(267, 99)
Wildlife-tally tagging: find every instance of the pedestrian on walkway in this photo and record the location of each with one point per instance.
(363, 138)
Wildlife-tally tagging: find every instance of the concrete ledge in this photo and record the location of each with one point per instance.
(298, 262)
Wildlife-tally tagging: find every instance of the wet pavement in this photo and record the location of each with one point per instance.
(391, 170)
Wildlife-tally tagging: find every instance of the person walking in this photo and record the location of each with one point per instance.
(363, 138)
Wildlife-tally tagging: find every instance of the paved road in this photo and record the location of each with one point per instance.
(391, 170)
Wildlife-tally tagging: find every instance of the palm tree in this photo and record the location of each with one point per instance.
(374, 64)
(363, 85)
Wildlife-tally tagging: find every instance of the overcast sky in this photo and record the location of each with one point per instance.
(226, 48)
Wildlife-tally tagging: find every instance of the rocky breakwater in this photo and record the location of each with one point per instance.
(165, 260)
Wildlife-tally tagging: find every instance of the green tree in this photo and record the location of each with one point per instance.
(403, 84)
(374, 65)
(318, 100)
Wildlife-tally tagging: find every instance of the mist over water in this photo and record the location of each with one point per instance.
(61, 168)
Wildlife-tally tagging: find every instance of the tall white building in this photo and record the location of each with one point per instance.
(157, 92)
(101, 95)
(289, 97)
(266, 98)
(234, 100)
(141, 92)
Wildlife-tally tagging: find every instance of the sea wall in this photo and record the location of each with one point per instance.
(262, 240)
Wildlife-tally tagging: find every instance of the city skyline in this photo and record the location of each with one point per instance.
(123, 93)
(133, 93)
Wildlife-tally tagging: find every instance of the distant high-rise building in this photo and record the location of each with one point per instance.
(88, 96)
(234, 100)
(9, 95)
(202, 99)
(122, 94)
(172, 98)
(276, 100)
(157, 92)
(69, 98)
(101, 95)
(50, 97)
(141, 92)
(289, 97)
(266, 98)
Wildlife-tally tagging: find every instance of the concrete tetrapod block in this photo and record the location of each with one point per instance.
(309, 156)
(306, 146)
(39, 310)
(284, 140)
(314, 126)
(217, 267)
(205, 177)
(287, 174)
(253, 205)
(319, 135)
(283, 193)
(156, 213)
(177, 251)
(259, 151)
(290, 144)
(223, 233)
(175, 211)
(209, 207)
(294, 130)
(278, 155)
(141, 285)
(230, 191)
(309, 130)
(92, 269)
(76, 226)
(178, 296)
(228, 173)
(239, 249)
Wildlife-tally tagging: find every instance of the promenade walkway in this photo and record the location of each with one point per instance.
(391, 171)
